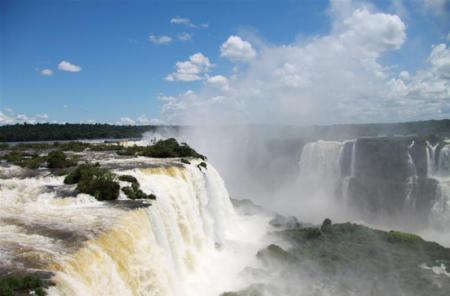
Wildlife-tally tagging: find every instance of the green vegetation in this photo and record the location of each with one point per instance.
(103, 184)
(55, 159)
(432, 130)
(163, 149)
(25, 160)
(58, 160)
(170, 148)
(128, 178)
(134, 191)
(94, 180)
(202, 165)
(403, 237)
(68, 131)
(351, 258)
(185, 161)
(21, 285)
(276, 253)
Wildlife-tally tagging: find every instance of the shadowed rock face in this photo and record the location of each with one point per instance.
(388, 179)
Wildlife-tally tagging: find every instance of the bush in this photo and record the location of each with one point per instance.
(128, 178)
(94, 180)
(170, 148)
(202, 165)
(13, 157)
(23, 159)
(58, 160)
(134, 192)
(21, 285)
(185, 161)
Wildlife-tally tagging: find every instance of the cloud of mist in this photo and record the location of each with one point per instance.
(333, 78)
(337, 77)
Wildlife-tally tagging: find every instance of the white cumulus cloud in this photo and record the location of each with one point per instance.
(8, 116)
(141, 120)
(68, 67)
(333, 78)
(193, 69)
(236, 49)
(219, 81)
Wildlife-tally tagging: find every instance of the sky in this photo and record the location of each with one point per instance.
(282, 62)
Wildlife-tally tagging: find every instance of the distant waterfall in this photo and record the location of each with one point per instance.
(319, 165)
(410, 204)
(431, 159)
(438, 164)
(383, 179)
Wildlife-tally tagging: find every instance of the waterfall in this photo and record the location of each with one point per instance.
(189, 233)
(154, 251)
(320, 161)
(353, 160)
(439, 169)
(431, 158)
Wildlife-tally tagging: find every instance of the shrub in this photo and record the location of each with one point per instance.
(185, 161)
(13, 157)
(32, 163)
(326, 224)
(58, 160)
(170, 148)
(23, 159)
(202, 165)
(21, 285)
(134, 192)
(94, 180)
(128, 178)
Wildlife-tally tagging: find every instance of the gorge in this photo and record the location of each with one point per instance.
(193, 239)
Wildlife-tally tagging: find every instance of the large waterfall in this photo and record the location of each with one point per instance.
(381, 180)
(190, 234)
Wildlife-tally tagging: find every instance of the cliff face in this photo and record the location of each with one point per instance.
(388, 180)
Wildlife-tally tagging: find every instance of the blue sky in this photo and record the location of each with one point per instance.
(108, 61)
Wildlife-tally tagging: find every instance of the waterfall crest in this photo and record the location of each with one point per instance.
(153, 251)
(169, 248)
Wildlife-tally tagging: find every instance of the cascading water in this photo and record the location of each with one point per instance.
(439, 169)
(319, 165)
(410, 203)
(189, 234)
(381, 180)
(328, 166)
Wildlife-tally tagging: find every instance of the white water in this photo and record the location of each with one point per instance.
(190, 236)
(440, 213)
(319, 164)
(321, 179)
